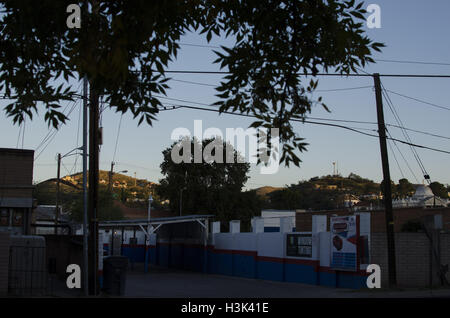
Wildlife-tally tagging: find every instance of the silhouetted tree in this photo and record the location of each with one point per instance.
(439, 190)
(124, 49)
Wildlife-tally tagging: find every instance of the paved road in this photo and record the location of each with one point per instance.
(183, 284)
(160, 282)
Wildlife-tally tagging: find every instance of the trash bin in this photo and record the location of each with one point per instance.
(114, 274)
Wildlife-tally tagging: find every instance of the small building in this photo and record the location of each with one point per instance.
(16, 190)
(350, 200)
(402, 216)
(44, 220)
(272, 219)
(423, 197)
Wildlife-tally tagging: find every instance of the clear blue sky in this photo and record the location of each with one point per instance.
(411, 29)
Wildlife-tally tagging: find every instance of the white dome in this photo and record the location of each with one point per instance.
(423, 191)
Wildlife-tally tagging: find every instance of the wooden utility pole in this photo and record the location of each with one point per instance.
(85, 191)
(58, 175)
(110, 175)
(387, 184)
(93, 191)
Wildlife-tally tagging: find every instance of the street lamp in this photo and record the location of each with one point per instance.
(58, 177)
(150, 200)
(147, 235)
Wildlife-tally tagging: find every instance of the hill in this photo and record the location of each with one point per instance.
(264, 191)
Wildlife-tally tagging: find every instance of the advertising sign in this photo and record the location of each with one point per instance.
(299, 245)
(344, 239)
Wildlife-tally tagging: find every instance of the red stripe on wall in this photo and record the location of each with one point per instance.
(247, 253)
(270, 259)
(302, 261)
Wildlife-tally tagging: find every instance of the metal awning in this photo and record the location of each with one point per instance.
(154, 221)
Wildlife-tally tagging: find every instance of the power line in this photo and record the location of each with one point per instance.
(357, 130)
(52, 134)
(192, 82)
(318, 74)
(117, 138)
(404, 159)
(51, 130)
(405, 134)
(317, 90)
(419, 100)
(413, 62)
(324, 119)
(378, 60)
(395, 157)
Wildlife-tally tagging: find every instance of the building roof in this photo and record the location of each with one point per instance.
(47, 212)
(16, 151)
(422, 192)
(165, 220)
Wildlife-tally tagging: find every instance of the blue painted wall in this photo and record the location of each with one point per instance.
(190, 257)
(270, 270)
(244, 266)
(135, 254)
(300, 273)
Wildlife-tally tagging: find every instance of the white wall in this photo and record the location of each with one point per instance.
(324, 248)
(272, 217)
(271, 244)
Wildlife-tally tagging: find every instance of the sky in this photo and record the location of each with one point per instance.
(413, 30)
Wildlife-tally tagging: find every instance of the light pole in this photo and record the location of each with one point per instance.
(111, 174)
(58, 178)
(147, 236)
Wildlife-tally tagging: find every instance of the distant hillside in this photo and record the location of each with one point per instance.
(117, 177)
(71, 187)
(264, 191)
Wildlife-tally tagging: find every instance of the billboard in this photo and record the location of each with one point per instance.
(344, 242)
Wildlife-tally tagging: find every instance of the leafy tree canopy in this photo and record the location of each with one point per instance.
(404, 188)
(206, 187)
(124, 47)
(439, 190)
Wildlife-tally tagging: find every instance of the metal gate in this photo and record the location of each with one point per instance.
(27, 266)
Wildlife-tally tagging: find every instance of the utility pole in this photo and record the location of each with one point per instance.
(110, 176)
(387, 184)
(85, 197)
(93, 190)
(58, 175)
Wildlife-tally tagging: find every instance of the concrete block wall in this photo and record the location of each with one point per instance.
(377, 218)
(412, 258)
(445, 251)
(4, 262)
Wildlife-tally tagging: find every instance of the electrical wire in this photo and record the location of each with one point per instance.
(117, 138)
(419, 100)
(316, 123)
(395, 158)
(404, 132)
(404, 159)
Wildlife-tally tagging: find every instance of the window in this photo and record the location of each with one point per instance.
(4, 217)
(299, 245)
(17, 218)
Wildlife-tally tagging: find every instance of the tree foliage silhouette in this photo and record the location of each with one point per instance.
(124, 47)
